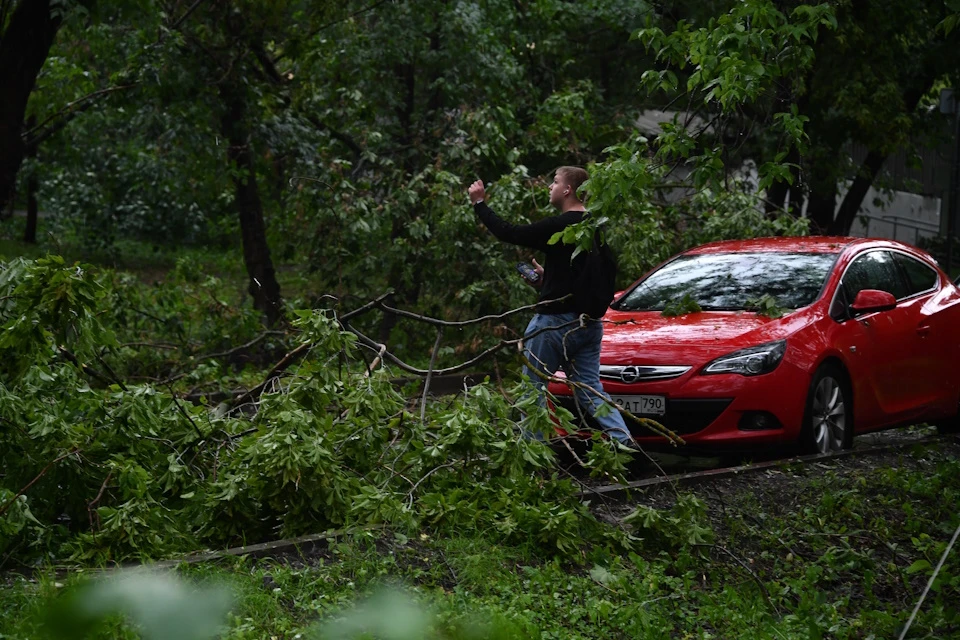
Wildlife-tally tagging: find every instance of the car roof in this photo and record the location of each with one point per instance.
(800, 244)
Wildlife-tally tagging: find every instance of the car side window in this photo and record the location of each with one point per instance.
(919, 276)
(873, 270)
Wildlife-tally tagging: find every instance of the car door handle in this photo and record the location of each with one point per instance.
(923, 330)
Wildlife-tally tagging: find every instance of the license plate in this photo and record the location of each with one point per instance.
(642, 405)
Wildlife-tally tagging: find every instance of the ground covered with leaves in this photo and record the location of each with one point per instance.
(837, 549)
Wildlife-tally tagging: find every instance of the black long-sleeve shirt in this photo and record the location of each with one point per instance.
(558, 271)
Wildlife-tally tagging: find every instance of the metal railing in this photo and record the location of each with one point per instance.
(932, 229)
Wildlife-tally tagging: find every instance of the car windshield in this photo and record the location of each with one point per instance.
(733, 281)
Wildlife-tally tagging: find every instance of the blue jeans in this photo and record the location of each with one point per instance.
(561, 341)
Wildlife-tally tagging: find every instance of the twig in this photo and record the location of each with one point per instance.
(603, 498)
(344, 19)
(184, 413)
(150, 345)
(573, 453)
(278, 369)
(9, 504)
(425, 476)
(465, 323)
(426, 383)
(70, 105)
(423, 372)
(190, 9)
(116, 378)
(926, 590)
(370, 305)
(66, 353)
(370, 342)
(756, 578)
(653, 425)
(93, 502)
(376, 361)
(246, 345)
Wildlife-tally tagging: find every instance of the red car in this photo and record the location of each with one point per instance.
(799, 341)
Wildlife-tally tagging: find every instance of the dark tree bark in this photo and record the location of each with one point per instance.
(871, 165)
(264, 287)
(404, 294)
(776, 198)
(854, 197)
(24, 47)
(821, 205)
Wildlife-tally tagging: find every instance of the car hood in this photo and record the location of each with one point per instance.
(648, 337)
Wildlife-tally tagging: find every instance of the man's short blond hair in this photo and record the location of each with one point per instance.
(573, 176)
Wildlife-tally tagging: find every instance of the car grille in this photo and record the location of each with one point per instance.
(684, 416)
(637, 373)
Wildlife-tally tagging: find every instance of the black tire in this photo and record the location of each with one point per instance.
(947, 426)
(828, 415)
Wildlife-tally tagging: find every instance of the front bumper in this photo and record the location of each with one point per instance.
(717, 410)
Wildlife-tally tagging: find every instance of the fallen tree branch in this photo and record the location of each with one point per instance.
(376, 361)
(184, 413)
(756, 578)
(426, 382)
(87, 369)
(275, 373)
(113, 374)
(47, 468)
(95, 501)
(424, 372)
(370, 342)
(246, 345)
(150, 345)
(67, 112)
(464, 323)
(370, 305)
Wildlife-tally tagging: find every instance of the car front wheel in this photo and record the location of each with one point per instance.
(949, 425)
(828, 418)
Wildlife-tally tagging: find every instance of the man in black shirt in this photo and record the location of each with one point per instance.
(558, 336)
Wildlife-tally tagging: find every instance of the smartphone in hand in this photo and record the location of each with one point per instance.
(528, 272)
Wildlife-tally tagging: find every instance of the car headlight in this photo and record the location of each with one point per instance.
(754, 361)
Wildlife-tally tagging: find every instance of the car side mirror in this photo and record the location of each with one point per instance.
(872, 300)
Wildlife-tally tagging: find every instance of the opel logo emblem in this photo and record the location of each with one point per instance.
(630, 374)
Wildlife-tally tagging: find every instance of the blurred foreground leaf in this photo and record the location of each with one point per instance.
(161, 606)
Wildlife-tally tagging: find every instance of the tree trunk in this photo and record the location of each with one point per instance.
(776, 198)
(854, 198)
(264, 287)
(821, 206)
(24, 47)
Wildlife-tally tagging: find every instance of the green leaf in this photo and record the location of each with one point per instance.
(918, 566)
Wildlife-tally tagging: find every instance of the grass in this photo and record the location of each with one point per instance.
(150, 262)
(807, 552)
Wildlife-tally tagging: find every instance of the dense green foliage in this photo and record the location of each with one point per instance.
(802, 553)
(119, 468)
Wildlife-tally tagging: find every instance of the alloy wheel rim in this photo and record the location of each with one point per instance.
(829, 416)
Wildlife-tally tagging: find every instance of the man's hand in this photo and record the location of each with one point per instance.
(539, 270)
(537, 267)
(477, 192)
